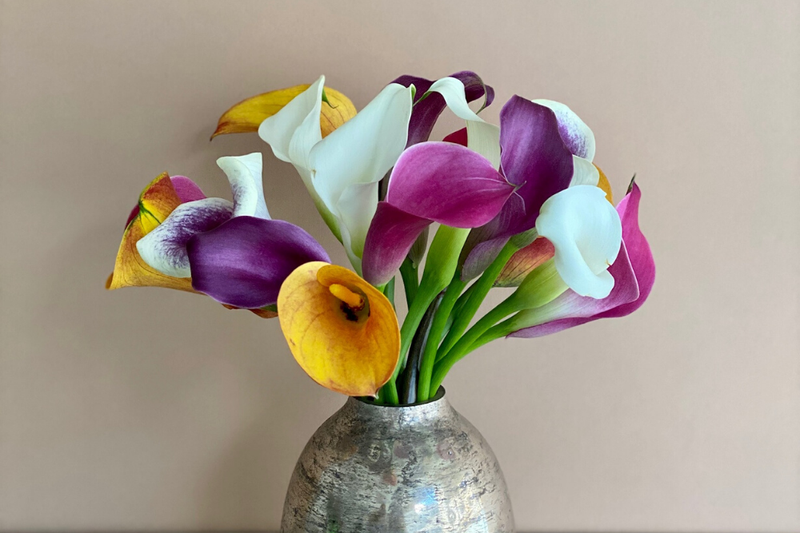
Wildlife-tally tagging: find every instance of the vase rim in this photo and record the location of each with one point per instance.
(438, 397)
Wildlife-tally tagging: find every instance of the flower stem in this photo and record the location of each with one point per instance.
(465, 344)
(410, 280)
(477, 293)
(435, 336)
(409, 391)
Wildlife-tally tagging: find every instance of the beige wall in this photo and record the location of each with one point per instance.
(145, 408)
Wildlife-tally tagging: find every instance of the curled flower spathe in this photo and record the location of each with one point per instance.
(341, 330)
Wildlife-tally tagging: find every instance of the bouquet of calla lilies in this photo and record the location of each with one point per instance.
(521, 206)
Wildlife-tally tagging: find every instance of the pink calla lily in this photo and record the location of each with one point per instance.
(633, 272)
(431, 182)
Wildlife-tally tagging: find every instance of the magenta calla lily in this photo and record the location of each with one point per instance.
(431, 182)
(633, 272)
(426, 111)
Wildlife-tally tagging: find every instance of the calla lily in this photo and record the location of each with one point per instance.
(341, 330)
(585, 231)
(432, 97)
(540, 250)
(533, 157)
(633, 273)
(247, 115)
(342, 171)
(577, 136)
(431, 182)
(232, 251)
(160, 198)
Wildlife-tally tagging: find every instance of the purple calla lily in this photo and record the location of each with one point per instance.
(533, 157)
(633, 272)
(427, 111)
(232, 251)
(431, 182)
(244, 261)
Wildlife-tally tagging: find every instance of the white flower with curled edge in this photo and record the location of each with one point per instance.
(343, 170)
(586, 232)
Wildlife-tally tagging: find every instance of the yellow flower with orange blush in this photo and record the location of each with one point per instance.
(341, 330)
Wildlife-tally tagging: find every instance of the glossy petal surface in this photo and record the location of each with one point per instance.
(348, 349)
(431, 182)
(244, 261)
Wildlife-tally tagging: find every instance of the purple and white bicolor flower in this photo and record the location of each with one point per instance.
(633, 272)
(342, 171)
(232, 251)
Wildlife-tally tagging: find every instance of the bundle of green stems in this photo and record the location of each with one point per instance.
(436, 332)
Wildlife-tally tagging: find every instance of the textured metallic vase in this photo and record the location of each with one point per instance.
(376, 469)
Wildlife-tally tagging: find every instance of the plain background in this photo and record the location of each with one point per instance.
(147, 408)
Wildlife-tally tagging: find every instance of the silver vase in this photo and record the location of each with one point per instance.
(372, 469)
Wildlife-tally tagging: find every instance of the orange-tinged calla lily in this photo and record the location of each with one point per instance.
(341, 330)
(247, 115)
(156, 202)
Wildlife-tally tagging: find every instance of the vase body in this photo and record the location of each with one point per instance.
(376, 469)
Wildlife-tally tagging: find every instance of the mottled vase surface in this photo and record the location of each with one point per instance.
(421, 468)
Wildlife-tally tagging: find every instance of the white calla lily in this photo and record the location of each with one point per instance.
(586, 233)
(482, 137)
(342, 171)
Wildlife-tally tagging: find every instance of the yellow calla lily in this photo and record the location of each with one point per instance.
(341, 330)
(247, 115)
(156, 202)
(605, 185)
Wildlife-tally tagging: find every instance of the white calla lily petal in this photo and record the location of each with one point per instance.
(586, 233)
(584, 172)
(578, 137)
(361, 151)
(294, 130)
(357, 207)
(244, 175)
(164, 248)
(482, 137)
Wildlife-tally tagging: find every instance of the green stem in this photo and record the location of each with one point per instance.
(389, 393)
(465, 344)
(435, 336)
(410, 280)
(497, 331)
(408, 379)
(388, 290)
(540, 287)
(477, 293)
